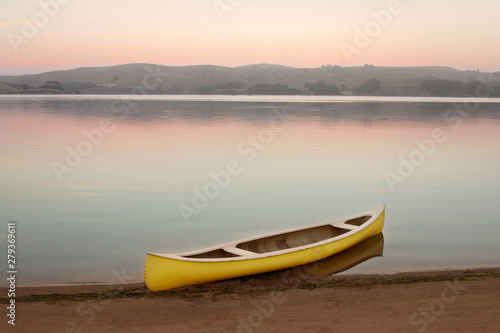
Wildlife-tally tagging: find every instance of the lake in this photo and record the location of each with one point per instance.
(94, 182)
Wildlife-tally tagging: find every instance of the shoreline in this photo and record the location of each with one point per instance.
(263, 98)
(252, 284)
(443, 301)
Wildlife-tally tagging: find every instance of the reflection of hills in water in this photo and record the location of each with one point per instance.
(214, 111)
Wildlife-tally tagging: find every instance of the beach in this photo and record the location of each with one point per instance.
(437, 301)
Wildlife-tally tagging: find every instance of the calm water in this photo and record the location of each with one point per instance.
(94, 182)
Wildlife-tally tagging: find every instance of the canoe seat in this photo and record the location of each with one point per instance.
(292, 239)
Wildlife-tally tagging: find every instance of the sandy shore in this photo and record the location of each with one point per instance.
(448, 301)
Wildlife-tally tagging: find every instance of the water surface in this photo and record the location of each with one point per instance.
(295, 162)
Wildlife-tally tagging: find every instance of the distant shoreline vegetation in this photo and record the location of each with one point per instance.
(438, 88)
(445, 88)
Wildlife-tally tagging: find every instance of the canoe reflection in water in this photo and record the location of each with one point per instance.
(345, 260)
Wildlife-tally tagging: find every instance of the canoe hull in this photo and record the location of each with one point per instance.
(163, 273)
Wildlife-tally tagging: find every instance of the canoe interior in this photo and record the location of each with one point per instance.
(286, 240)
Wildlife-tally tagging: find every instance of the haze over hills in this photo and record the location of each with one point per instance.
(121, 79)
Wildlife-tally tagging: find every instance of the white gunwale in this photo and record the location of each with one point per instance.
(242, 254)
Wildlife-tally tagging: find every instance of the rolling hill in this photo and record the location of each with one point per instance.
(122, 79)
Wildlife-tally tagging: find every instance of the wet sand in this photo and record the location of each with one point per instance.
(447, 301)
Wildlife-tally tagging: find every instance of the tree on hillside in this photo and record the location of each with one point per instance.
(52, 85)
(77, 86)
(329, 66)
(470, 87)
(322, 88)
(272, 89)
(224, 88)
(441, 87)
(369, 86)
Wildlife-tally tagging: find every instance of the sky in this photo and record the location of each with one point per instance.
(42, 35)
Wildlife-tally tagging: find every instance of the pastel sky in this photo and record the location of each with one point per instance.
(43, 35)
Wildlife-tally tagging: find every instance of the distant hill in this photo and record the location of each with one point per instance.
(122, 79)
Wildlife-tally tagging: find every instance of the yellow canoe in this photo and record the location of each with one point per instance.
(261, 254)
